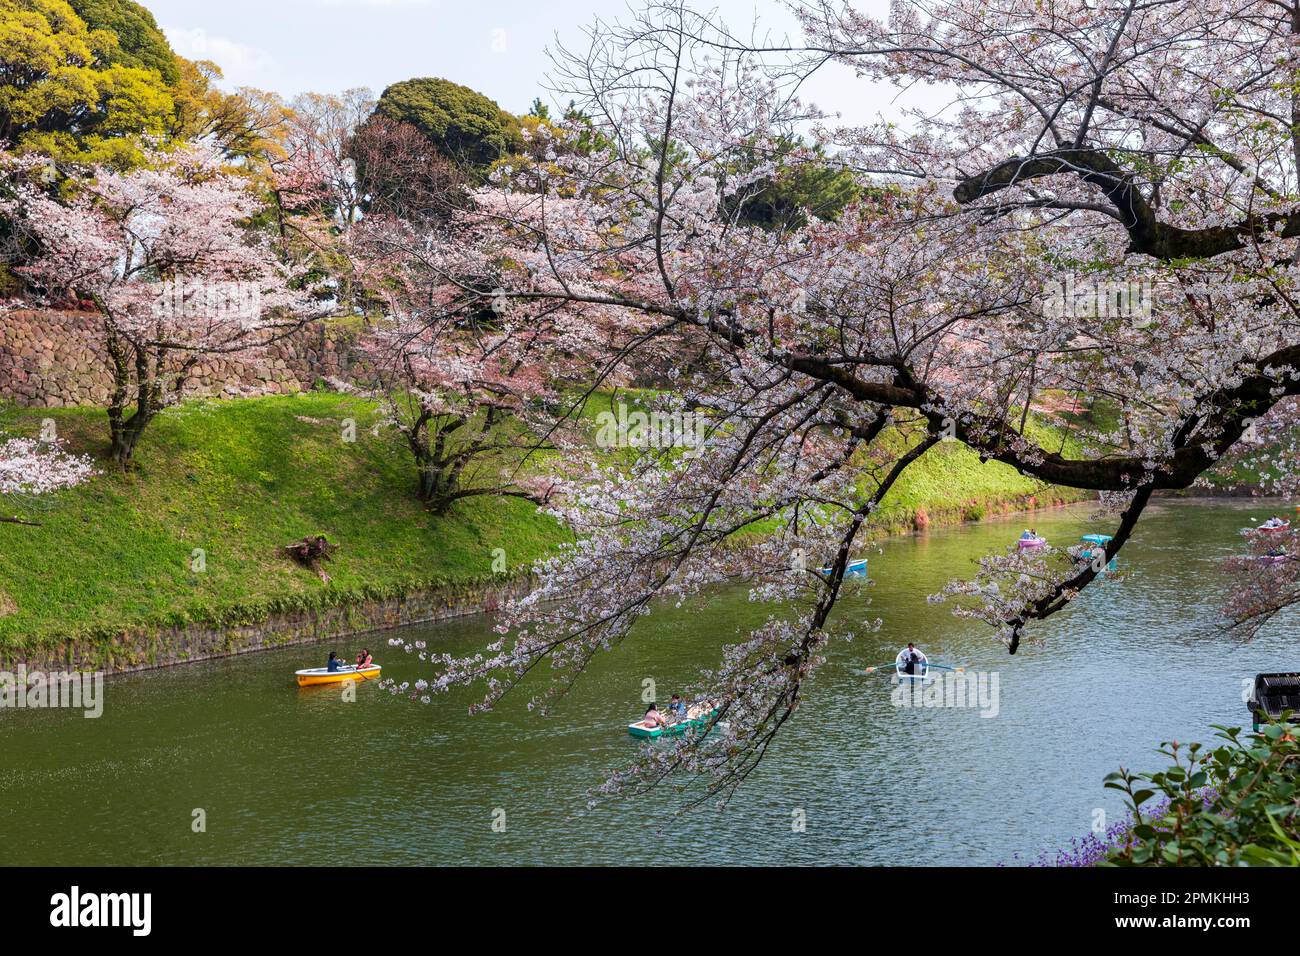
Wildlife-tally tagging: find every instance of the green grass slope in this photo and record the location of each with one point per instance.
(949, 484)
(239, 479)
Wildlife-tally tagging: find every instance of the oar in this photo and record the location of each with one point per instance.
(943, 667)
(358, 673)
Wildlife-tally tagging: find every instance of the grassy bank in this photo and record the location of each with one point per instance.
(234, 481)
(239, 479)
(949, 484)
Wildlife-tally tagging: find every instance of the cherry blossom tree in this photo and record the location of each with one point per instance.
(363, 200)
(466, 380)
(176, 276)
(339, 162)
(1104, 211)
(317, 198)
(1142, 145)
(31, 467)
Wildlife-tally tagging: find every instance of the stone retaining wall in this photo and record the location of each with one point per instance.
(52, 359)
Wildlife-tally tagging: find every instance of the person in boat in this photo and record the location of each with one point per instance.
(653, 718)
(1027, 536)
(1273, 522)
(677, 706)
(335, 663)
(911, 657)
(701, 709)
(364, 659)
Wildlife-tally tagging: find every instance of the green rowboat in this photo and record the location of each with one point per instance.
(676, 729)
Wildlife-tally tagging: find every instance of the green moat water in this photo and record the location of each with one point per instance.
(300, 776)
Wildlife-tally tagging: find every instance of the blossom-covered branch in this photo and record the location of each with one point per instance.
(824, 359)
(166, 255)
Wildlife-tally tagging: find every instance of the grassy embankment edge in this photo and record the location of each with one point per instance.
(190, 538)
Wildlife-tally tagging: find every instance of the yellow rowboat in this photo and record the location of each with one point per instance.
(321, 675)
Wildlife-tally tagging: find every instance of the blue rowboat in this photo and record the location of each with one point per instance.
(854, 569)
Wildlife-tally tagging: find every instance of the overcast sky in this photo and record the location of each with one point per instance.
(495, 46)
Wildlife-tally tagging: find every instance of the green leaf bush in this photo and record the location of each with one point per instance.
(1234, 804)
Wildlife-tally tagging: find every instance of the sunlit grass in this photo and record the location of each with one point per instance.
(239, 479)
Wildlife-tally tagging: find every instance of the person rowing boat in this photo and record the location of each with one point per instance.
(697, 718)
(1031, 539)
(910, 658)
(336, 671)
(912, 663)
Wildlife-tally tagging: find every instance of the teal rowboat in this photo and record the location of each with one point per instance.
(1100, 540)
(639, 729)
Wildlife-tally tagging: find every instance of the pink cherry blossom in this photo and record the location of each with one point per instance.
(1102, 214)
(166, 255)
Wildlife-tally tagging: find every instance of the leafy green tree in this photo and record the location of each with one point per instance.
(805, 182)
(465, 126)
(65, 92)
(140, 42)
(247, 124)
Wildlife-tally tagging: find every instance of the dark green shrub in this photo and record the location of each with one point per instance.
(463, 124)
(1235, 804)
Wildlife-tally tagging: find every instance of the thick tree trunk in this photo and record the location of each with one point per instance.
(125, 435)
(438, 483)
(134, 384)
(439, 473)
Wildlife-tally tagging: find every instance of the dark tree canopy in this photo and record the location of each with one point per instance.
(812, 185)
(464, 125)
(401, 173)
(141, 43)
